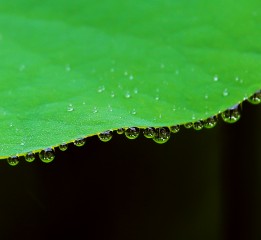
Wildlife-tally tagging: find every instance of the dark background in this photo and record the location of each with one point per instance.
(199, 185)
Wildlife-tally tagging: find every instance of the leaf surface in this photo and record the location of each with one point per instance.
(72, 69)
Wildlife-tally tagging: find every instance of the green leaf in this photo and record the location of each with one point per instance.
(72, 69)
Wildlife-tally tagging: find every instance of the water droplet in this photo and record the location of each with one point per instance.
(136, 90)
(210, 122)
(198, 125)
(255, 98)
(47, 155)
(162, 135)
(110, 108)
(132, 132)
(11, 125)
(112, 94)
(149, 132)
(157, 98)
(162, 66)
(225, 92)
(63, 147)
(70, 108)
(79, 142)
(22, 143)
(215, 78)
(127, 94)
(29, 157)
(133, 111)
(231, 115)
(188, 125)
(237, 79)
(174, 129)
(22, 67)
(206, 96)
(105, 136)
(95, 110)
(131, 77)
(101, 89)
(120, 130)
(13, 161)
(126, 73)
(68, 68)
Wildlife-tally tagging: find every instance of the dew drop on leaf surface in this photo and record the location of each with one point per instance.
(29, 157)
(79, 142)
(105, 136)
(162, 135)
(47, 155)
(231, 115)
(149, 132)
(13, 161)
(63, 147)
(132, 132)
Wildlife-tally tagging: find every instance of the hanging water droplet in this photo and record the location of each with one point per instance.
(210, 122)
(198, 125)
(120, 130)
(29, 157)
(63, 147)
(174, 129)
(157, 98)
(188, 125)
(231, 115)
(13, 161)
(132, 132)
(112, 94)
(149, 132)
(79, 142)
(215, 78)
(47, 155)
(105, 136)
(162, 135)
(127, 94)
(131, 77)
(225, 92)
(255, 98)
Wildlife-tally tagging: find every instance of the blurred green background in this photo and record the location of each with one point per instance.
(199, 185)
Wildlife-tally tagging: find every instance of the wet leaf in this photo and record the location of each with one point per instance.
(72, 69)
